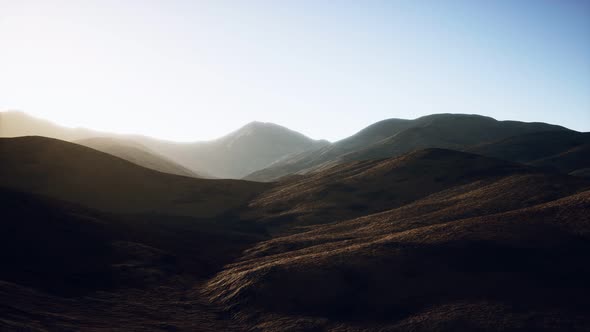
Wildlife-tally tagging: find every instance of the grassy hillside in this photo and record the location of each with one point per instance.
(572, 161)
(78, 174)
(364, 187)
(507, 255)
(562, 151)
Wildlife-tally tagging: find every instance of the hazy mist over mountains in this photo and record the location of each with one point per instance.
(235, 155)
(265, 152)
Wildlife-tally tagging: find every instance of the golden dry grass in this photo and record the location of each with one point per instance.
(481, 245)
(361, 188)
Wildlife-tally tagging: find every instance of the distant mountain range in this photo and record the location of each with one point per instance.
(394, 137)
(268, 152)
(250, 148)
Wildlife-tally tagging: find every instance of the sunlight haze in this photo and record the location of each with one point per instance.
(196, 70)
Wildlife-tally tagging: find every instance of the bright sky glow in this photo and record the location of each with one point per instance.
(194, 70)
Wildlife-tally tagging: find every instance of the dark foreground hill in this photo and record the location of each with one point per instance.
(82, 175)
(394, 137)
(66, 267)
(505, 255)
(364, 187)
(17, 124)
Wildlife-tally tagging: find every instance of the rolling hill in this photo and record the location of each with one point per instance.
(364, 187)
(68, 267)
(85, 176)
(137, 154)
(15, 123)
(573, 161)
(241, 152)
(390, 138)
(563, 151)
(500, 251)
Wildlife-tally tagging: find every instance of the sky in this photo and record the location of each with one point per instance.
(196, 70)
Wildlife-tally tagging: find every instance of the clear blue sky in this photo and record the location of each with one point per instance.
(193, 70)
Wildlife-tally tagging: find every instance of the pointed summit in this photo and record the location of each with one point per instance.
(253, 146)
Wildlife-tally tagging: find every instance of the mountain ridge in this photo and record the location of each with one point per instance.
(82, 175)
(234, 155)
(137, 154)
(390, 138)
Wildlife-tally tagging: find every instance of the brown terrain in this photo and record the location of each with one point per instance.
(486, 255)
(489, 232)
(68, 268)
(562, 151)
(94, 179)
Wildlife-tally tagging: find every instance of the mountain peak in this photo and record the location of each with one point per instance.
(266, 130)
(261, 124)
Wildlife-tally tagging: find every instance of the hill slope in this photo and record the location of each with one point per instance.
(137, 154)
(503, 254)
(563, 151)
(235, 155)
(75, 173)
(394, 137)
(14, 124)
(241, 152)
(73, 268)
(363, 187)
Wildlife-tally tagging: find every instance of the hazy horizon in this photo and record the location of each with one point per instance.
(185, 71)
(224, 134)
